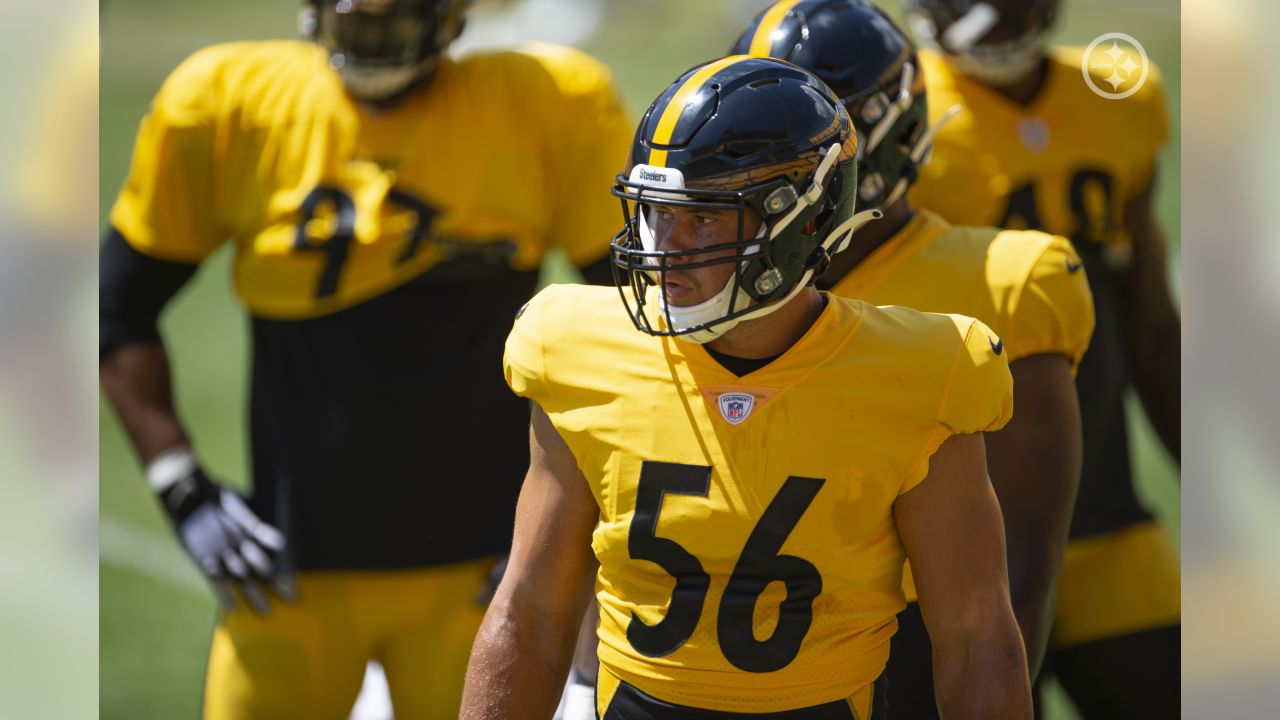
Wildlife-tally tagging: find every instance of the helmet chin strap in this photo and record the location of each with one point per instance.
(921, 151)
(708, 310)
(835, 241)
(898, 106)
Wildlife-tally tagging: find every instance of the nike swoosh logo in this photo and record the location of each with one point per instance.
(1073, 267)
(996, 347)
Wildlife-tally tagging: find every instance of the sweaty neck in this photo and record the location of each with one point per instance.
(866, 240)
(1025, 89)
(775, 333)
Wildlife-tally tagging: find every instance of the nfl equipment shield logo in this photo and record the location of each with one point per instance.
(735, 406)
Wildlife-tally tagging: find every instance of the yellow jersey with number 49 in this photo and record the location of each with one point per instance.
(333, 202)
(1067, 163)
(749, 560)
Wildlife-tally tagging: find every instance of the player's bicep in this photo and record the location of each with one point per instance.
(951, 528)
(551, 563)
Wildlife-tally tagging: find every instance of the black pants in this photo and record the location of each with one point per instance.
(629, 703)
(910, 669)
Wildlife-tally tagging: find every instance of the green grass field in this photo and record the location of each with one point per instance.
(155, 616)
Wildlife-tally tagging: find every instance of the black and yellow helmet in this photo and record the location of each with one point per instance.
(737, 134)
(872, 66)
(383, 47)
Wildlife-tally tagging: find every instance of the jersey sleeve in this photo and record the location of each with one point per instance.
(1053, 313)
(524, 360)
(166, 208)
(589, 134)
(977, 395)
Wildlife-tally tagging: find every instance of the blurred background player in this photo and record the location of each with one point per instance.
(1034, 147)
(769, 449)
(49, 500)
(1027, 286)
(390, 208)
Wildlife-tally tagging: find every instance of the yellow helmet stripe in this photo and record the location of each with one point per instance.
(675, 108)
(772, 19)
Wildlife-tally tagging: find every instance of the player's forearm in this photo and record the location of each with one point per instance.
(1155, 330)
(983, 677)
(586, 662)
(518, 665)
(136, 379)
(1033, 574)
(1157, 372)
(1036, 537)
(1034, 463)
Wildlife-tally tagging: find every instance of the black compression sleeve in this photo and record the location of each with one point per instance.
(132, 290)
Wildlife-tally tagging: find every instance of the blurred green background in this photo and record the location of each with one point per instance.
(155, 614)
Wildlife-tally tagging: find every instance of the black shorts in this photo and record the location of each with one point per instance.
(630, 703)
(910, 668)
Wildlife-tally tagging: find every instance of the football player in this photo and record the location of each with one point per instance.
(1027, 286)
(390, 209)
(751, 466)
(1034, 147)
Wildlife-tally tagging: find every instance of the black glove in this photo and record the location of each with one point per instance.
(230, 545)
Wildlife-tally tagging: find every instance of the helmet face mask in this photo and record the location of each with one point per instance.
(756, 140)
(747, 258)
(381, 48)
(993, 41)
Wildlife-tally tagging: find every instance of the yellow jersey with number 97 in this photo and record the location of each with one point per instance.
(749, 560)
(331, 202)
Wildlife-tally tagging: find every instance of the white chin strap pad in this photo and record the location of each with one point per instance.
(708, 310)
(921, 151)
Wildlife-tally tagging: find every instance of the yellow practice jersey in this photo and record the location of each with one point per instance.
(1066, 164)
(749, 560)
(1026, 286)
(1029, 287)
(332, 202)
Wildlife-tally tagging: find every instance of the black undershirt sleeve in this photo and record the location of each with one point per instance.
(132, 290)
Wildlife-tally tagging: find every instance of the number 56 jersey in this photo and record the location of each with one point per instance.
(749, 560)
